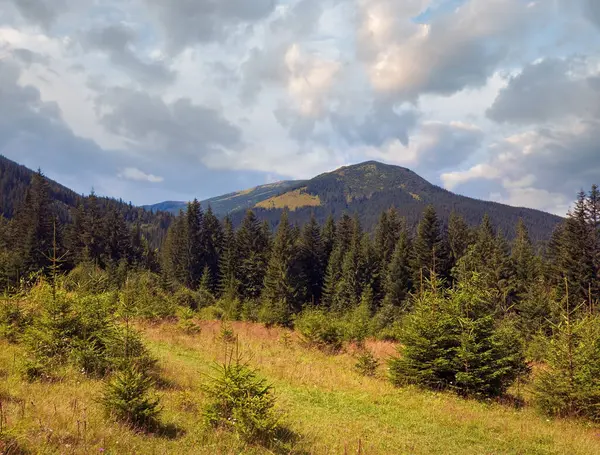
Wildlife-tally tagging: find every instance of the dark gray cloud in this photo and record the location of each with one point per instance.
(117, 41)
(186, 22)
(592, 10)
(181, 127)
(34, 133)
(28, 57)
(547, 91)
(39, 12)
(381, 124)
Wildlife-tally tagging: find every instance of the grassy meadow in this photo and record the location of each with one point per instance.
(326, 405)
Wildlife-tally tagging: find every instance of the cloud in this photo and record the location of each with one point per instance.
(436, 146)
(133, 173)
(179, 129)
(546, 91)
(454, 50)
(117, 42)
(187, 22)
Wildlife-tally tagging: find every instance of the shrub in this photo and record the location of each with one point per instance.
(320, 330)
(366, 363)
(452, 341)
(127, 397)
(569, 383)
(87, 278)
(14, 320)
(241, 402)
(187, 323)
(211, 313)
(227, 334)
(357, 325)
(143, 295)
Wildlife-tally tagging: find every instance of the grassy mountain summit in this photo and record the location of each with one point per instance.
(372, 187)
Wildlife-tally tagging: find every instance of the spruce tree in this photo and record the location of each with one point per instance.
(253, 251)
(279, 293)
(213, 244)
(195, 244)
(524, 260)
(310, 265)
(428, 246)
(458, 237)
(328, 237)
(228, 261)
(333, 276)
(35, 225)
(399, 280)
(349, 288)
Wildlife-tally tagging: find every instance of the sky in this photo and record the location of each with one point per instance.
(153, 100)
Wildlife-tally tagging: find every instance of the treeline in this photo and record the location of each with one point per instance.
(100, 231)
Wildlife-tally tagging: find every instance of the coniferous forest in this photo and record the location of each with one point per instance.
(472, 312)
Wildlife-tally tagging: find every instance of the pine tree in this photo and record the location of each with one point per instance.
(569, 385)
(451, 341)
(92, 235)
(213, 244)
(524, 260)
(195, 244)
(279, 294)
(116, 238)
(349, 288)
(428, 247)
(333, 276)
(35, 225)
(253, 251)
(228, 261)
(458, 238)
(399, 283)
(328, 236)
(310, 265)
(174, 259)
(345, 232)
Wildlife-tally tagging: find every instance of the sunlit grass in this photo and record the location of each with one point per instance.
(331, 407)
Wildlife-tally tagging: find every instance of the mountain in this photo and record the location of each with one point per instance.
(231, 202)
(15, 180)
(372, 187)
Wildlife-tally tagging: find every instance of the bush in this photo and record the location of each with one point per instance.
(211, 313)
(357, 325)
(569, 383)
(320, 330)
(87, 278)
(452, 341)
(127, 398)
(366, 363)
(14, 320)
(143, 295)
(241, 402)
(187, 323)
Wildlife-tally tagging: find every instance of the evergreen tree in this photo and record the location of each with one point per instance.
(569, 385)
(196, 241)
(213, 244)
(174, 253)
(524, 260)
(35, 225)
(333, 276)
(349, 288)
(253, 250)
(399, 283)
(228, 261)
(279, 294)
(345, 232)
(92, 233)
(328, 236)
(116, 238)
(428, 247)
(458, 238)
(311, 262)
(452, 342)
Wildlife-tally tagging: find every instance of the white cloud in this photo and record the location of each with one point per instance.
(133, 173)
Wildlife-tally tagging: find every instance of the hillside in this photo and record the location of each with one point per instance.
(15, 179)
(331, 408)
(370, 188)
(231, 202)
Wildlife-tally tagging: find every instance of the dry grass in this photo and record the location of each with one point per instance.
(292, 200)
(334, 409)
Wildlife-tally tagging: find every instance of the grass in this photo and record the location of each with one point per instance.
(332, 408)
(292, 200)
